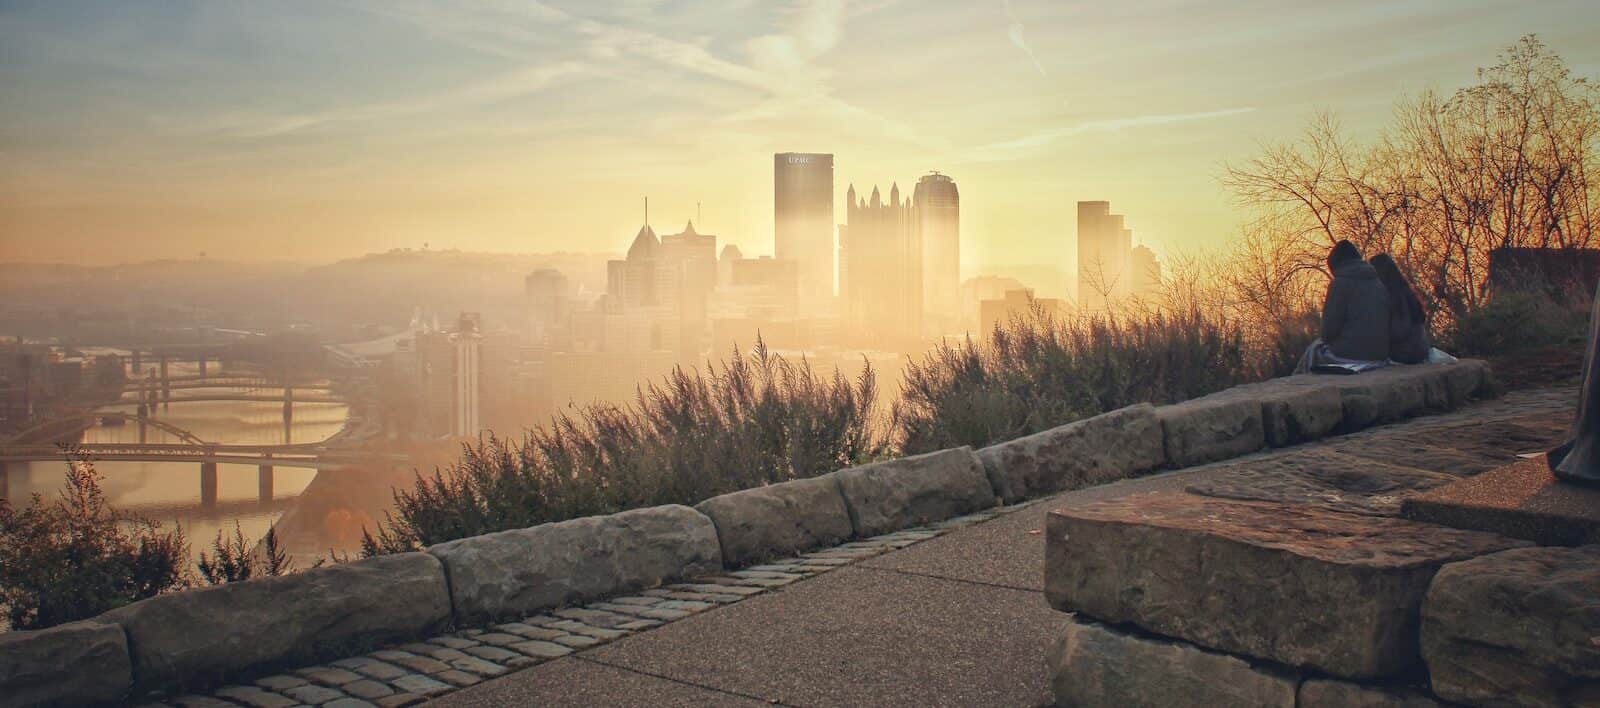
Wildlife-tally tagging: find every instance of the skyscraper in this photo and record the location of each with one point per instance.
(882, 255)
(936, 211)
(1104, 246)
(466, 411)
(803, 220)
(1144, 272)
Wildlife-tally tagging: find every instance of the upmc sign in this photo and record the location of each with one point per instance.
(799, 159)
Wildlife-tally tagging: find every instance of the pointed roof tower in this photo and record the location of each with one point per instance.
(876, 200)
(894, 194)
(645, 244)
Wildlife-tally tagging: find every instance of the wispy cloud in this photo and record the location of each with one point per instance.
(512, 84)
(1014, 33)
(1010, 148)
(781, 67)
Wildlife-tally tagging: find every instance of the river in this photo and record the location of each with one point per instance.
(169, 492)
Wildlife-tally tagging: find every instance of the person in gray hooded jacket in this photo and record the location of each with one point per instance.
(1355, 316)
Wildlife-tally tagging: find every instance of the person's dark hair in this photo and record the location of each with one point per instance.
(1343, 251)
(1402, 299)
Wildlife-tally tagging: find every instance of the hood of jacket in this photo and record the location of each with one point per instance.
(1355, 270)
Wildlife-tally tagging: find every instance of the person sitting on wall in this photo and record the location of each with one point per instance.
(1408, 323)
(1355, 318)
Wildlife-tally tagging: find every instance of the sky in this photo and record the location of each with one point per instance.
(323, 129)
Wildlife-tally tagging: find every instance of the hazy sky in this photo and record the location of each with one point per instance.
(322, 129)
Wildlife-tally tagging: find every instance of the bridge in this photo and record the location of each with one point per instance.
(261, 397)
(179, 383)
(265, 457)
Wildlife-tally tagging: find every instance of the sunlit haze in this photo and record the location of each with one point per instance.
(313, 131)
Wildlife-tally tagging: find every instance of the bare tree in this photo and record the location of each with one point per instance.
(1505, 162)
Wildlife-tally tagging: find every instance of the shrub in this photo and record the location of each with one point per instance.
(234, 559)
(1038, 371)
(757, 419)
(76, 557)
(1518, 321)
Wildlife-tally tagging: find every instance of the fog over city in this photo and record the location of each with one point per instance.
(296, 290)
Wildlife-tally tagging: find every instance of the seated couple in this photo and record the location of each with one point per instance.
(1371, 318)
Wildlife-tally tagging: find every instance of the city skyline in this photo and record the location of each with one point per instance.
(170, 131)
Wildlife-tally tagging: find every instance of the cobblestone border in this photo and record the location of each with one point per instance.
(410, 673)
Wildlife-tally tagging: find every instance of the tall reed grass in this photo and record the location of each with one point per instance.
(756, 419)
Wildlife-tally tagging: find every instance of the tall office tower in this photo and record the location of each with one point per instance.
(936, 206)
(1144, 272)
(803, 217)
(466, 411)
(1103, 252)
(549, 308)
(884, 263)
(689, 259)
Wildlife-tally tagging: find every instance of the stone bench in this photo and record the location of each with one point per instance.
(1117, 445)
(1297, 585)
(206, 635)
(778, 519)
(1520, 627)
(1306, 407)
(519, 572)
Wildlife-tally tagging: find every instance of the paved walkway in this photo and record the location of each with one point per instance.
(960, 619)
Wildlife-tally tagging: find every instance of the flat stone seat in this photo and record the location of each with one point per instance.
(1521, 500)
(1293, 584)
(1323, 478)
(1519, 628)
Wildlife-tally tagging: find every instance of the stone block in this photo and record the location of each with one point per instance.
(1298, 412)
(1093, 665)
(1320, 477)
(1211, 428)
(1296, 585)
(515, 573)
(910, 491)
(1328, 693)
(1467, 379)
(778, 519)
(1106, 448)
(1519, 628)
(1395, 392)
(70, 664)
(199, 637)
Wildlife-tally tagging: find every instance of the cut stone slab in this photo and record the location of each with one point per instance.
(911, 491)
(69, 664)
(205, 635)
(1293, 584)
(515, 573)
(1502, 440)
(1294, 409)
(1519, 628)
(1211, 428)
(1117, 445)
(1323, 478)
(778, 519)
(1520, 500)
(1093, 665)
(1328, 693)
(1420, 451)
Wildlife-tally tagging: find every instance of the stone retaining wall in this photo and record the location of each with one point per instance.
(205, 636)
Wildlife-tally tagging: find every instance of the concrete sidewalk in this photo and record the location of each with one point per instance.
(959, 619)
(955, 620)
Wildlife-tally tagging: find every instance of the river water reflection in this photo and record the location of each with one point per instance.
(169, 492)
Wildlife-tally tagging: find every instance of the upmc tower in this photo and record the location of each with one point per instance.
(802, 191)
